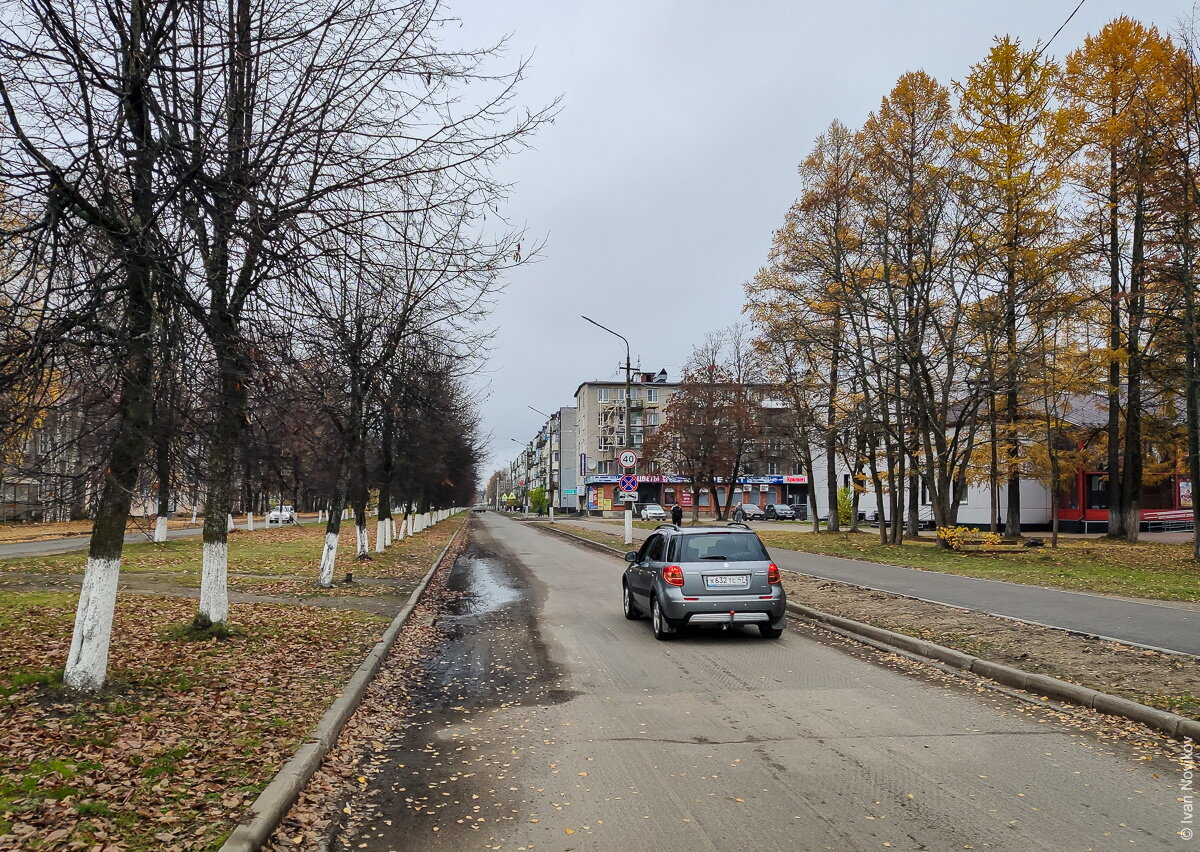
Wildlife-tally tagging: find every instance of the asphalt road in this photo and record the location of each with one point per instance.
(549, 722)
(1161, 626)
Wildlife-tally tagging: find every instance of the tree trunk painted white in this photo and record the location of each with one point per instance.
(214, 586)
(250, 521)
(160, 528)
(193, 514)
(87, 664)
(229, 523)
(362, 541)
(551, 514)
(380, 536)
(328, 556)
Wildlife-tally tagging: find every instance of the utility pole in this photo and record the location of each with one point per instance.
(628, 422)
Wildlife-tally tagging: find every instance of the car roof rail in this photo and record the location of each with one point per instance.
(672, 526)
(738, 524)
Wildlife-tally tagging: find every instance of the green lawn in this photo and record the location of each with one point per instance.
(263, 553)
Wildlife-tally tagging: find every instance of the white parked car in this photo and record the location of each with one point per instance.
(281, 515)
(653, 512)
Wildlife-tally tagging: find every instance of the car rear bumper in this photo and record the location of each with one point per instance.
(724, 609)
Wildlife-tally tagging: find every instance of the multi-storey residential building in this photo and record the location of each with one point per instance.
(549, 462)
(770, 473)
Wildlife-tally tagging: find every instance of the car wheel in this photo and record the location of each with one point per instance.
(662, 628)
(768, 632)
(631, 610)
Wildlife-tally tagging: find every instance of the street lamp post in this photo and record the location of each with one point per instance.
(550, 458)
(628, 422)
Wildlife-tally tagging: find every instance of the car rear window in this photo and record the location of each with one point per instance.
(722, 547)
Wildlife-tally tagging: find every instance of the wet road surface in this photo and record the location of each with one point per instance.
(550, 722)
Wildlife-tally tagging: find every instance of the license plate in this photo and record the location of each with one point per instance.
(723, 580)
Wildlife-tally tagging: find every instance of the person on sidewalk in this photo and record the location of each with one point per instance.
(677, 514)
(739, 514)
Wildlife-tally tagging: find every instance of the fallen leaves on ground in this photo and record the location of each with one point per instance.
(385, 708)
(184, 737)
(1169, 681)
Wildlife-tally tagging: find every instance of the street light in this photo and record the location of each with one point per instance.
(549, 458)
(628, 421)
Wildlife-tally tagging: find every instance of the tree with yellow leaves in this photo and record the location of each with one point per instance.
(1116, 88)
(1013, 143)
(801, 298)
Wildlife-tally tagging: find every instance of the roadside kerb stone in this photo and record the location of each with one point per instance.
(1171, 724)
(277, 799)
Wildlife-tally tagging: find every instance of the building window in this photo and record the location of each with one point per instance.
(651, 418)
(605, 442)
(603, 467)
(772, 468)
(620, 439)
(602, 394)
(845, 480)
(651, 394)
(556, 456)
(637, 438)
(797, 469)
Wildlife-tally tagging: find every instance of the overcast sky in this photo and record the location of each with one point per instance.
(674, 157)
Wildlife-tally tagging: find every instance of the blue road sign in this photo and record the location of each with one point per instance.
(628, 483)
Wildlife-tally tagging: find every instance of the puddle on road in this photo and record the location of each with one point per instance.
(484, 586)
(455, 762)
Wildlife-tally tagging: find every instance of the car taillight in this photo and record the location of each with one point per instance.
(773, 574)
(673, 575)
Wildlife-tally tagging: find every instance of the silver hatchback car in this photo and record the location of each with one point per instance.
(704, 575)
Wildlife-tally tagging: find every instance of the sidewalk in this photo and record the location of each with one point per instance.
(1163, 626)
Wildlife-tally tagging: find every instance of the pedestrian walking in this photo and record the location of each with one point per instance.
(677, 514)
(739, 514)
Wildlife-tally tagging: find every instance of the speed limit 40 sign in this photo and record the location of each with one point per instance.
(628, 459)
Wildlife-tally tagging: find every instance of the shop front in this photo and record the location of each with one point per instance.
(1083, 505)
(604, 495)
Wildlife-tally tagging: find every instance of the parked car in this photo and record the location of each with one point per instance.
(479, 507)
(780, 512)
(801, 510)
(282, 515)
(653, 512)
(704, 576)
(751, 512)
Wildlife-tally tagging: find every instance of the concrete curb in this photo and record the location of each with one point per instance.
(586, 542)
(277, 799)
(1171, 724)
